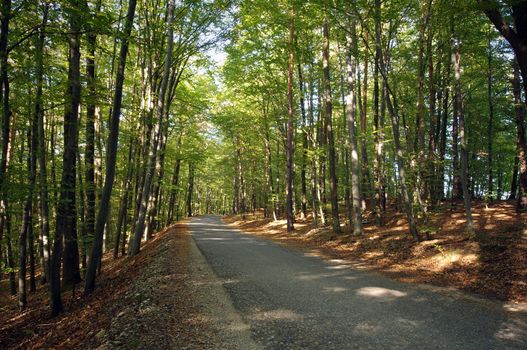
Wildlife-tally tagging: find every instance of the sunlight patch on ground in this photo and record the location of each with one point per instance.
(379, 292)
(334, 290)
(366, 328)
(448, 258)
(280, 314)
(512, 330)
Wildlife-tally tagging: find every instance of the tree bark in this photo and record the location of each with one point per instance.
(66, 219)
(458, 109)
(102, 215)
(520, 140)
(140, 223)
(5, 17)
(290, 128)
(328, 104)
(38, 119)
(351, 110)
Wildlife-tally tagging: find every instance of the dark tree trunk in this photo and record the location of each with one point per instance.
(38, 119)
(66, 222)
(5, 17)
(520, 141)
(304, 144)
(290, 128)
(459, 114)
(102, 215)
(328, 103)
(378, 132)
(190, 191)
(161, 101)
(490, 175)
(89, 156)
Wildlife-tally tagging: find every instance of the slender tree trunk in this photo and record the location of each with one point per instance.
(66, 222)
(9, 254)
(444, 122)
(351, 110)
(290, 128)
(38, 120)
(377, 131)
(140, 223)
(456, 184)
(401, 167)
(5, 17)
(82, 215)
(458, 108)
(514, 181)
(490, 175)
(123, 208)
(174, 193)
(190, 191)
(328, 103)
(521, 143)
(89, 156)
(102, 215)
(304, 144)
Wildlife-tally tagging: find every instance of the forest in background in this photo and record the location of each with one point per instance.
(120, 118)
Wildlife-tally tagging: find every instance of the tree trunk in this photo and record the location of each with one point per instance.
(399, 153)
(89, 156)
(290, 128)
(102, 215)
(458, 109)
(378, 132)
(5, 17)
(514, 181)
(190, 191)
(38, 119)
(124, 202)
(490, 177)
(66, 219)
(304, 145)
(351, 110)
(328, 104)
(521, 143)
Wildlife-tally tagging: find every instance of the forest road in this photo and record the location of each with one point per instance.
(293, 299)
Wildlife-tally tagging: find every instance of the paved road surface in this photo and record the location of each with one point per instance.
(294, 300)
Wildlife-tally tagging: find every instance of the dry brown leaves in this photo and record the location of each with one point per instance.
(495, 267)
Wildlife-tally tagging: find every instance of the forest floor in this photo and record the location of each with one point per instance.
(495, 267)
(165, 297)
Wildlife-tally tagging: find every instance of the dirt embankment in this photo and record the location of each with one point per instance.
(165, 297)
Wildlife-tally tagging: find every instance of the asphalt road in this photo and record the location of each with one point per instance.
(292, 299)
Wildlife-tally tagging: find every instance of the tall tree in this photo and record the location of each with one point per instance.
(140, 224)
(66, 219)
(328, 104)
(290, 127)
(102, 215)
(351, 110)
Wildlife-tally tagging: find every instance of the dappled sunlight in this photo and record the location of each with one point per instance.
(338, 267)
(277, 315)
(334, 290)
(317, 276)
(383, 294)
(313, 254)
(366, 328)
(451, 257)
(512, 330)
(214, 239)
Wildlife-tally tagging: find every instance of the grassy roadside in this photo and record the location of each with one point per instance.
(496, 268)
